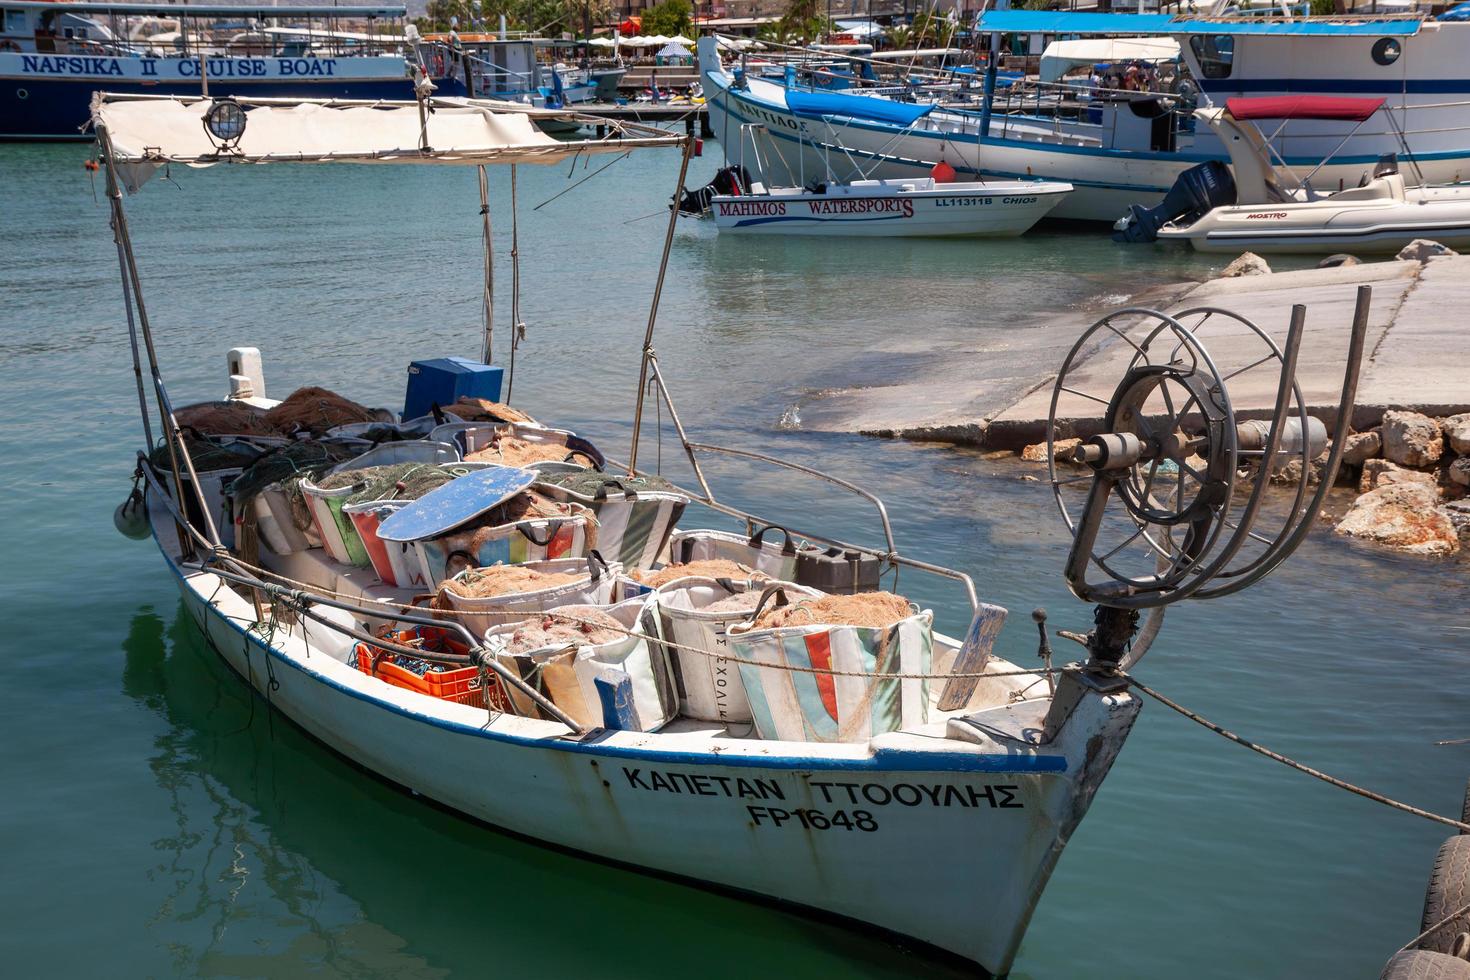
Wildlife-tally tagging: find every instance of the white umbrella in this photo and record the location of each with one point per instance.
(680, 39)
(658, 39)
(602, 42)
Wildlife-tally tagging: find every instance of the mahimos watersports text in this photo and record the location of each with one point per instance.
(853, 205)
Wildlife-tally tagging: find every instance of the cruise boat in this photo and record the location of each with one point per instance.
(1122, 148)
(870, 768)
(54, 56)
(1262, 206)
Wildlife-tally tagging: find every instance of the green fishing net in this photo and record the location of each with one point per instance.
(206, 455)
(586, 482)
(398, 481)
(289, 463)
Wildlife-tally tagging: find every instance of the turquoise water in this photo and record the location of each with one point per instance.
(159, 821)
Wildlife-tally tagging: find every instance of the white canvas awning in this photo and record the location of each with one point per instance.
(148, 132)
(1061, 57)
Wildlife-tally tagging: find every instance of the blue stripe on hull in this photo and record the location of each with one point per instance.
(47, 109)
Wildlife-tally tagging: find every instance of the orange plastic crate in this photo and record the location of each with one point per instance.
(464, 685)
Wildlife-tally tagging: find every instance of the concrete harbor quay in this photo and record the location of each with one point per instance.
(1417, 357)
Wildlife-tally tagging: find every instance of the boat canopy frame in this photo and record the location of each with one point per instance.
(1253, 110)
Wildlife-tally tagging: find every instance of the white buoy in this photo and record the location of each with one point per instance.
(130, 518)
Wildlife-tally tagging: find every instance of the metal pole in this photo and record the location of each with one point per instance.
(488, 297)
(658, 288)
(992, 68)
(515, 281)
(663, 391)
(172, 437)
(132, 325)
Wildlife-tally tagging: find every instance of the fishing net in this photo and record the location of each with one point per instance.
(739, 602)
(509, 450)
(288, 463)
(563, 625)
(528, 506)
(397, 481)
(875, 609)
(704, 568)
(316, 410)
(587, 483)
(387, 432)
(225, 419)
(480, 410)
(207, 455)
(480, 583)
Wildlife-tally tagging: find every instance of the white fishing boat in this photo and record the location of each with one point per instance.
(911, 207)
(890, 776)
(1262, 205)
(903, 208)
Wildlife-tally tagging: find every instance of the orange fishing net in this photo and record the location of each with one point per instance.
(580, 625)
(508, 579)
(316, 410)
(706, 568)
(864, 609)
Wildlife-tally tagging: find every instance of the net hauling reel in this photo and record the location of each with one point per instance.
(1165, 495)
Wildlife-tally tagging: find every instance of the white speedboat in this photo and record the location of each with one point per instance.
(905, 207)
(1263, 206)
(935, 205)
(887, 775)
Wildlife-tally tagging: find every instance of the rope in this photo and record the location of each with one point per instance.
(1432, 929)
(1037, 673)
(1299, 767)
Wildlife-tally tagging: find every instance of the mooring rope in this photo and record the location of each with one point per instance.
(387, 605)
(1293, 764)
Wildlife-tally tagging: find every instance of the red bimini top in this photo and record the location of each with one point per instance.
(1304, 107)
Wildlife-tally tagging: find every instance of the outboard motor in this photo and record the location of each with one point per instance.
(728, 180)
(1198, 190)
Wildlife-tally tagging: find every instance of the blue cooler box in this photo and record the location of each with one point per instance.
(445, 380)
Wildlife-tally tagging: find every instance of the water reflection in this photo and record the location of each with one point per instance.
(282, 857)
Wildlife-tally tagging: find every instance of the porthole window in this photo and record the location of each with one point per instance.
(22, 94)
(1386, 50)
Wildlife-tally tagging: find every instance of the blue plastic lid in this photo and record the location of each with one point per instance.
(463, 499)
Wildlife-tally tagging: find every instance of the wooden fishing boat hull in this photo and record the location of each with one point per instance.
(938, 840)
(998, 211)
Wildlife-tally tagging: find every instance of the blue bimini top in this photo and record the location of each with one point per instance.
(815, 105)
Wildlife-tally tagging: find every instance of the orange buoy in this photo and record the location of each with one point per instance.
(89, 165)
(943, 173)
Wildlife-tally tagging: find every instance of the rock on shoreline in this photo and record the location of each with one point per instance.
(1409, 493)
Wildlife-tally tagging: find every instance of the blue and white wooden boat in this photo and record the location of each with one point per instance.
(54, 56)
(1134, 147)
